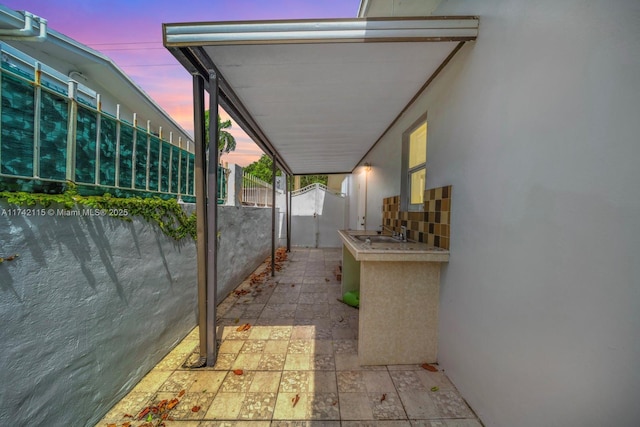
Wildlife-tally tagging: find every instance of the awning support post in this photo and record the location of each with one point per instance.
(201, 215)
(288, 218)
(273, 217)
(212, 220)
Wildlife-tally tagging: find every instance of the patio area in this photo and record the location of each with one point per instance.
(288, 357)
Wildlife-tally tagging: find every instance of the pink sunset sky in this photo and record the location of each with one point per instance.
(130, 33)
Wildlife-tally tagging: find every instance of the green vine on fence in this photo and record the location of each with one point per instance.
(168, 215)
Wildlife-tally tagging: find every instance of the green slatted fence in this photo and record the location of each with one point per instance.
(53, 130)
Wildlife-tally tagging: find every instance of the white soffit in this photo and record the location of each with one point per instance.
(323, 92)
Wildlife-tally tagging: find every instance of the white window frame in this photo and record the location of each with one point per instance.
(405, 187)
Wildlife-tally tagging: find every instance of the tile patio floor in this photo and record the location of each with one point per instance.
(302, 342)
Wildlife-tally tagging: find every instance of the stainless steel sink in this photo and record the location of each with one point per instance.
(377, 239)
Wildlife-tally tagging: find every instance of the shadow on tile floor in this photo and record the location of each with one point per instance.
(297, 364)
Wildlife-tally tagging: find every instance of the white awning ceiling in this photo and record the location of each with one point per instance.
(319, 94)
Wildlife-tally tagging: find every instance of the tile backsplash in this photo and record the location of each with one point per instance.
(431, 225)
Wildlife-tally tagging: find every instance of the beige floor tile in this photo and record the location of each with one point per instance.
(271, 362)
(323, 382)
(280, 332)
(258, 406)
(418, 404)
(355, 406)
(224, 362)
(231, 346)
(347, 362)
(225, 406)
(234, 424)
(185, 346)
(295, 382)
(450, 404)
(446, 423)
(253, 346)
(260, 333)
(207, 381)
(246, 361)
(178, 381)
(276, 346)
(182, 423)
(132, 404)
(322, 347)
(387, 406)
(324, 406)
(435, 379)
(323, 362)
(297, 362)
(300, 346)
(172, 361)
(152, 381)
(192, 406)
(377, 423)
(303, 332)
(265, 381)
(237, 382)
(377, 381)
(286, 410)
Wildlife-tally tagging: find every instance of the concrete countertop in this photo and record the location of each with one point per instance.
(390, 251)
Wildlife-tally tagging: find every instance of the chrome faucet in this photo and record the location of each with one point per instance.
(384, 228)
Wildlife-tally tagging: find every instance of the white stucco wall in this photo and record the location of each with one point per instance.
(316, 215)
(536, 127)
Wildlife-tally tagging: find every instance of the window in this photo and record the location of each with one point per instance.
(414, 170)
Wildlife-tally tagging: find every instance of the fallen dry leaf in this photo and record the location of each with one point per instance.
(383, 398)
(429, 367)
(144, 412)
(244, 327)
(182, 392)
(195, 409)
(295, 400)
(111, 425)
(126, 424)
(172, 404)
(162, 404)
(238, 371)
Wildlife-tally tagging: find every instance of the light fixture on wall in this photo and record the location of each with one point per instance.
(367, 166)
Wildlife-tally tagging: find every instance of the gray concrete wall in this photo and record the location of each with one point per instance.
(93, 303)
(245, 242)
(535, 126)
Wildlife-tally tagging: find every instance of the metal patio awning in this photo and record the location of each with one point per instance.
(318, 94)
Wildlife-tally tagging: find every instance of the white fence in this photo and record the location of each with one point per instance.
(255, 192)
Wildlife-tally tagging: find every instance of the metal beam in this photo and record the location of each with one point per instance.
(358, 30)
(201, 215)
(212, 220)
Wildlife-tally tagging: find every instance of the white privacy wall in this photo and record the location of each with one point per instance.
(536, 125)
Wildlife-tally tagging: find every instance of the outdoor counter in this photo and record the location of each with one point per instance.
(399, 286)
